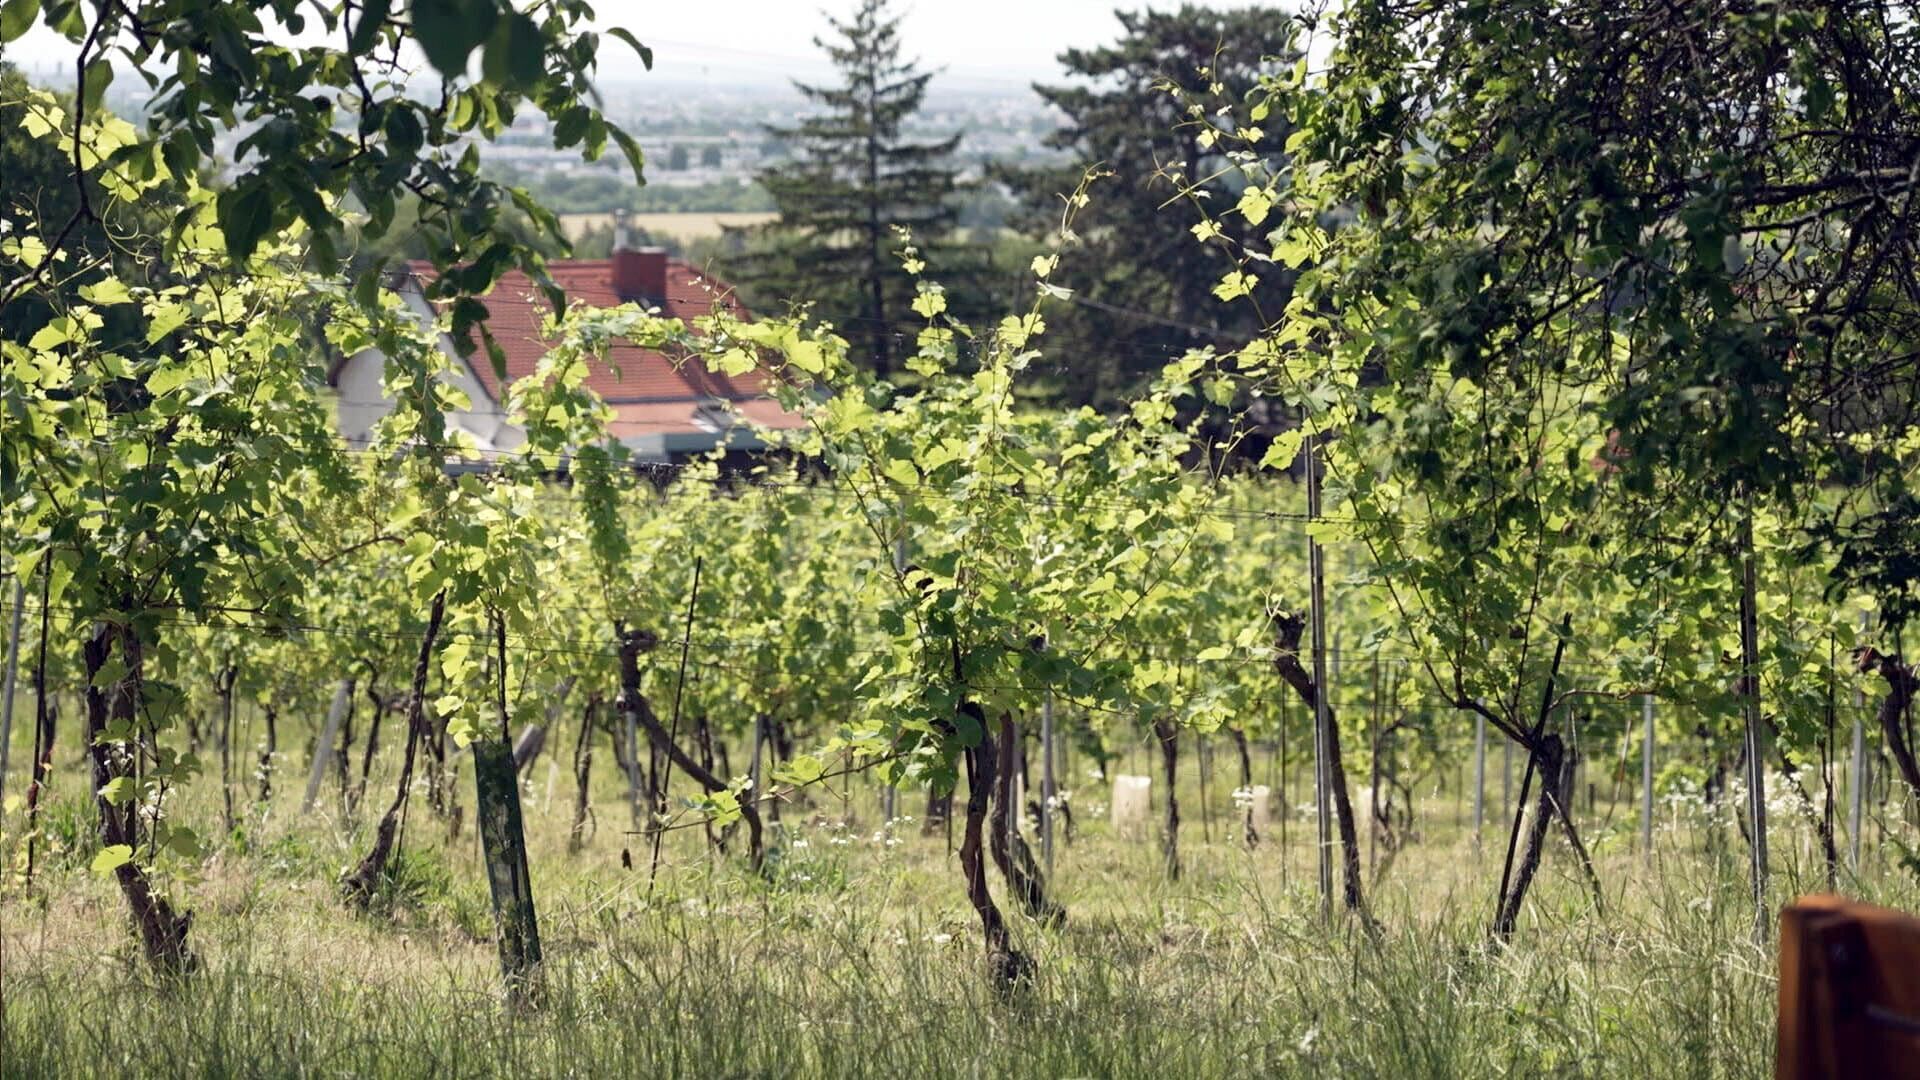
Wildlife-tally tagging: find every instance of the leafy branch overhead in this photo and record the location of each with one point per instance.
(339, 123)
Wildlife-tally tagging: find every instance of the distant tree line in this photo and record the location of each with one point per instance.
(1141, 280)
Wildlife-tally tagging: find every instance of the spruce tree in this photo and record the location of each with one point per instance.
(850, 179)
(1143, 285)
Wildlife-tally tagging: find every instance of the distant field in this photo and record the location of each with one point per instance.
(691, 225)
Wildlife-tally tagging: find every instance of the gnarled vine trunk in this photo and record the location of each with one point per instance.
(1822, 821)
(503, 842)
(45, 716)
(116, 708)
(1169, 738)
(1005, 964)
(582, 774)
(939, 809)
(223, 687)
(1252, 834)
(343, 757)
(381, 703)
(361, 883)
(1549, 761)
(635, 705)
(1892, 713)
(1286, 630)
(1010, 851)
(272, 716)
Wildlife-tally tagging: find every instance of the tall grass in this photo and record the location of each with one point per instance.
(874, 971)
(857, 955)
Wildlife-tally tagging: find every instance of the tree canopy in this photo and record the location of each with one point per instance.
(1143, 290)
(852, 181)
(338, 126)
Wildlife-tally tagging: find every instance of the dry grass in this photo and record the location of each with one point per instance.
(681, 225)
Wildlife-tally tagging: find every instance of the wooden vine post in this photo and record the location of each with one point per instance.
(1750, 702)
(1646, 776)
(1047, 792)
(323, 746)
(1479, 779)
(13, 678)
(1860, 774)
(1317, 572)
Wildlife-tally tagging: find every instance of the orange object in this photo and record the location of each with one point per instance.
(1849, 991)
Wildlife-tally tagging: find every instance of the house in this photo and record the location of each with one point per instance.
(663, 410)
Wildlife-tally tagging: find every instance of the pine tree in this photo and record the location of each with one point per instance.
(1143, 285)
(852, 178)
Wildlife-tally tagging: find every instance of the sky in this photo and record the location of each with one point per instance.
(982, 45)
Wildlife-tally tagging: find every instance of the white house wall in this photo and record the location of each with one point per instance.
(363, 400)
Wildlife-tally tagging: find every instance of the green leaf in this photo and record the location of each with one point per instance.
(111, 858)
(99, 76)
(631, 149)
(117, 791)
(106, 293)
(183, 842)
(734, 362)
(245, 214)
(571, 126)
(902, 472)
(723, 807)
(373, 15)
(65, 18)
(1254, 204)
(59, 575)
(16, 18)
(803, 769)
(51, 336)
(929, 303)
(1236, 283)
(967, 729)
(166, 320)
(646, 54)
(807, 356)
(166, 380)
(1284, 448)
(448, 31)
(516, 52)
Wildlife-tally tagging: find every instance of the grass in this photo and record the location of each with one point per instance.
(859, 956)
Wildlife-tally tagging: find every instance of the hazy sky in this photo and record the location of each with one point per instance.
(982, 44)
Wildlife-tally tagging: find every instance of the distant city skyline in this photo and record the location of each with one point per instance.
(980, 45)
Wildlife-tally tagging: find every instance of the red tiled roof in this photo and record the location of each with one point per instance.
(649, 393)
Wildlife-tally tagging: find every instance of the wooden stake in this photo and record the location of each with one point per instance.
(673, 731)
(1322, 782)
(1479, 778)
(1750, 701)
(13, 681)
(1646, 776)
(323, 746)
(1046, 781)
